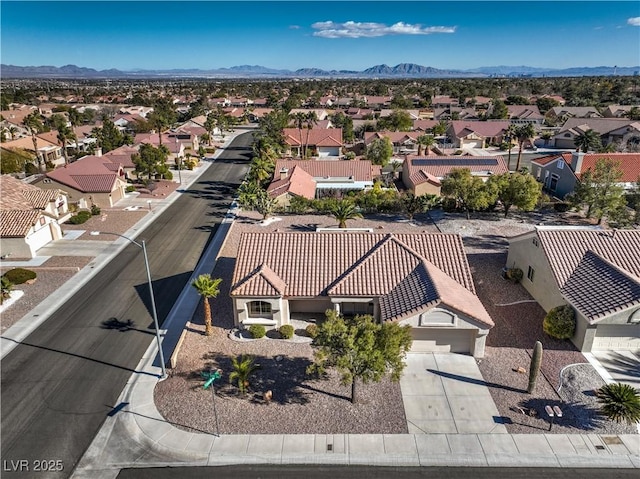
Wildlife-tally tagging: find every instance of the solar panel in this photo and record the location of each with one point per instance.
(466, 161)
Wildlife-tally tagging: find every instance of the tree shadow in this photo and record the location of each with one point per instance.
(574, 415)
(621, 364)
(123, 326)
(479, 382)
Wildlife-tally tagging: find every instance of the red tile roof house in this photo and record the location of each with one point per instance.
(50, 151)
(476, 134)
(29, 217)
(175, 146)
(316, 178)
(560, 173)
(404, 142)
(88, 181)
(423, 174)
(523, 114)
(319, 142)
(574, 127)
(422, 280)
(595, 271)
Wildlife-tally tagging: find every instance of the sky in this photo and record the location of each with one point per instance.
(130, 35)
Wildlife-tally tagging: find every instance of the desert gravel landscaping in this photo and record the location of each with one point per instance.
(304, 405)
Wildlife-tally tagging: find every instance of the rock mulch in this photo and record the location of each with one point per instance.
(114, 220)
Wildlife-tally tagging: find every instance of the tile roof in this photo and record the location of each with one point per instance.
(419, 177)
(600, 125)
(629, 163)
(17, 194)
(487, 129)
(262, 282)
(91, 174)
(353, 264)
(361, 170)
(615, 290)
(17, 223)
(395, 137)
(298, 182)
(317, 136)
(441, 166)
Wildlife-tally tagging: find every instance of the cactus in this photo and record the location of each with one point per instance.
(534, 369)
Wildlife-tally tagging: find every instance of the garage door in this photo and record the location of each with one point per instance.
(620, 337)
(472, 143)
(427, 340)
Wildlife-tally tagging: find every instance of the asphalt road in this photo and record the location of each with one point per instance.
(61, 382)
(372, 472)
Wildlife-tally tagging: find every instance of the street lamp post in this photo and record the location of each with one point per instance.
(153, 300)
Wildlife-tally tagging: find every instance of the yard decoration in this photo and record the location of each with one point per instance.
(534, 369)
(210, 377)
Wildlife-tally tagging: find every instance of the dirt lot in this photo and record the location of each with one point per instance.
(302, 405)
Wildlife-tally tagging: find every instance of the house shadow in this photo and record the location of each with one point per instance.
(283, 375)
(165, 291)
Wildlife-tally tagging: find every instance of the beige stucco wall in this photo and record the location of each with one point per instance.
(279, 308)
(586, 333)
(426, 189)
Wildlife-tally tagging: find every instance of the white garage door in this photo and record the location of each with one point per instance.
(40, 238)
(472, 143)
(620, 337)
(428, 340)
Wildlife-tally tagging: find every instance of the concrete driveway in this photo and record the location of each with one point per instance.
(445, 393)
(621, 366)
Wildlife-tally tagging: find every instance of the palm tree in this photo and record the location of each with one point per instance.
(312, 120)
(620, 402)
(299, 119)
(207, 287)
(75, 118)
(510, 134)
(425, 141)
(34, 125)
(243, 368)
(344, 210)
(65, 133)
(12, 131)
(523, 133)
(589, 140)
(210, 125)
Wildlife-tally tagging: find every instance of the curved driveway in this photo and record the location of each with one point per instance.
(59, 384)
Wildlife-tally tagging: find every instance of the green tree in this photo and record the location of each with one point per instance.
(33, 124)
(633, 113)
(499, 111)
(426, 142)
(620, 402)
(162, 116)
(398, 120)
(589, 140)
(14, 160)
(207, 287)
(545, 104)
(210, 125)
(412, 204)
(361, 349)
(109, 137)
(6, 287)
(468, 191)
(243, 368)
(600, 190)
(150, 160)
(343, 211)
(516, 189)
(379, 151)
(264, 204)
(523, 134)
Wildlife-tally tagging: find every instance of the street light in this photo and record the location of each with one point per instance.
(153, 301)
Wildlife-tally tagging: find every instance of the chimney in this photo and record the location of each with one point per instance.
(99, 151)
(576, 161)
(284, 172)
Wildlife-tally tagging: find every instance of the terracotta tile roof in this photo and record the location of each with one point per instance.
(486, 129)
(17, 194)
(419, 177)
(545, 160)
(441, 166)
(298, 182)
(424, 125)
(26, 143)
(629, 164)
(317, 136)
(361, 265)
(524, 112)
(17, 223)
(597, 288)
(262, 282)
(396, 137)
(361, 170)
(91, 174)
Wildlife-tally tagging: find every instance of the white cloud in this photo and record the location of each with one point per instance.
(634, 21)
(352, 29)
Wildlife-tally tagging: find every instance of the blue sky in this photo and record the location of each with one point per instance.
(329, 35)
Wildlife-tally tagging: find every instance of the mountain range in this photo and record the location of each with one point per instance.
(403, 70)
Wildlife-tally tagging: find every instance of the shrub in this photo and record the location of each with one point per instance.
(168, 175)
(130, 189)
(257, 331)
(80, 218)
(286, 331)
(312, 330)
(561, 207)
(6, 287)
(19, 275)
(95, 210)
(515, 275)
(560, 322)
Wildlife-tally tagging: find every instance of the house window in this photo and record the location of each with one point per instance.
(535, 242)
(531, 273)
(560, 164)
(554, 182)
(259, 309)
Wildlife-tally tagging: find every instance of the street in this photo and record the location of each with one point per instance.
(60, 383)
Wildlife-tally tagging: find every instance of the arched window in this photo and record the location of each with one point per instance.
(260, 309)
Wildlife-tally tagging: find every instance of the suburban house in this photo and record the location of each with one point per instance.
(476, 134)
(425, 125)
(321, 113)
(523, 114)
(574, 127)
(317, 178)
(175, 146)
(618, 111)
(562, 113)
(29, 217)
(423, 175)
(50, 151)
(88, 181)
(404, 142)
(421, 279)
(595, 271)
(560, 173)
(318, 142)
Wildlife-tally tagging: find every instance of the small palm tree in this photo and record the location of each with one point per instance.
(243, 368)
(207, 287)
(620, 402)
(7, 287)
(589, 140)
(344, 210)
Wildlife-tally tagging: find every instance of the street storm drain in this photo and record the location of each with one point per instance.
(600, 447)
(329, 447)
